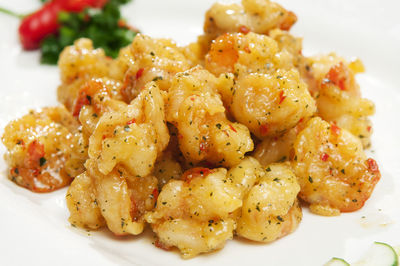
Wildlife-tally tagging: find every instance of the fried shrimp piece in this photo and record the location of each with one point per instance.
(119, 199)
(333, 171)
(101, 94)
(205, 134)
(259, 16)
(270, 209)
(95, 97)
(82, 203)
(338, 95)
(79, 63)
(40, 149)
(132, 136)
(242, 54)
(270, 105)
(193, 214)
(155, 60)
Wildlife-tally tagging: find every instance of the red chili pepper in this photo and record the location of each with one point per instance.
(231, 127)
(35, 27)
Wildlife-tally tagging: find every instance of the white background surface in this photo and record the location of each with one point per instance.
(34, 228)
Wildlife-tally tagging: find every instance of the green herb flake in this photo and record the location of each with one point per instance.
(42, 161)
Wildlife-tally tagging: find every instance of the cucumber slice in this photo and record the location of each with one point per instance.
(337, 262)
(380, 254)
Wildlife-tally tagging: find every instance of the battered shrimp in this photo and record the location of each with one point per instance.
(193, 214)
(338, 96)
(122, 198)
(132, 136)
(195, 108)
(333, 171)
(95, 97)
(155, 60)
(79, 63)
(259, 16)
(270, 105)
(40, 149)
(271, 209)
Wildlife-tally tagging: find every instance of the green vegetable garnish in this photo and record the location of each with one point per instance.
(103, 26)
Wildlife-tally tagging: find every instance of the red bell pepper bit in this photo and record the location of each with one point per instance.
(243, 29)
(132, 121)
(203, 146)
(233, 129)
(85, 96)
(155, 194)
(139, 73)
(324, 157)
(264, 129)
(190, 174)
(335, 129)
(83, 99)
(372, 165)
(338, 75)
(281, 97)
(35, 153)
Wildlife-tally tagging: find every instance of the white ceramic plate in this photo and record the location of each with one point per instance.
(34, 228)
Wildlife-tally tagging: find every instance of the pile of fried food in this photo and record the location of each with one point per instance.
(218, 138)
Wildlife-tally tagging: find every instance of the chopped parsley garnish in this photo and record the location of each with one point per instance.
(104, 27)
